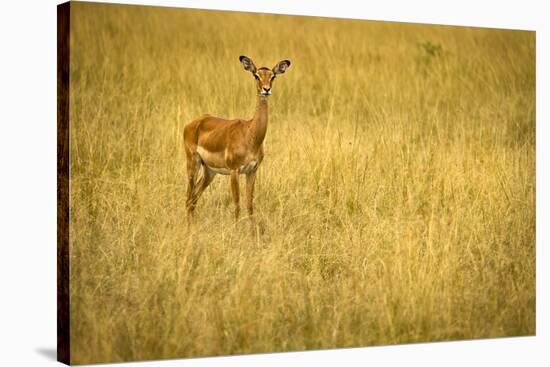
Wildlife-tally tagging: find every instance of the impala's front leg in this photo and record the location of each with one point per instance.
(235, 191)
(250, 179)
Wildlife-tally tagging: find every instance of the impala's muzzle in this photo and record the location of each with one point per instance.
(266, 91)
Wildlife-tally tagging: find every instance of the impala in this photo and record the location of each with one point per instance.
(229, 147)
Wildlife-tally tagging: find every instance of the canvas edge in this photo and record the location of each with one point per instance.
(300, 14)
(63, 264)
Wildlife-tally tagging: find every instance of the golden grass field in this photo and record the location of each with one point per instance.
(396, 200)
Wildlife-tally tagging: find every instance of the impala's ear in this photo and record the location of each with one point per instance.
(281, 67)
(248, 64)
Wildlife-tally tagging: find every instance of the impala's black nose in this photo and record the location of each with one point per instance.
(266, 89)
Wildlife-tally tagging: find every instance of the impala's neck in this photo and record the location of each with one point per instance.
(258, 126)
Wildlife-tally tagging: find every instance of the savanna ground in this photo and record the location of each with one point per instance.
(396, 198)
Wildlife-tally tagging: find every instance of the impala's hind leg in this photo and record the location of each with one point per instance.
(205, 178)
(192, 169)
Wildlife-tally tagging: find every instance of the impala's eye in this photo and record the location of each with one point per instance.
(256, 76)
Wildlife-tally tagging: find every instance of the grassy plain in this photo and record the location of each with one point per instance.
(397, 194)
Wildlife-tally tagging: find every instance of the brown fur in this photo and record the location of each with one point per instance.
(217, 145)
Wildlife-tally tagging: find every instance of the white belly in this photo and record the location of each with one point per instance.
(215, 162)
(245, 168)
(221, 171)
(249, 167)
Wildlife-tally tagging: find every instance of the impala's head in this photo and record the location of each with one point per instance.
(264, 76)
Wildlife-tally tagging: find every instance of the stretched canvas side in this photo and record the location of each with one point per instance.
(63, 301)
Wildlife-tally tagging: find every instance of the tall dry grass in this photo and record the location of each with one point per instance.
(397, 195)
